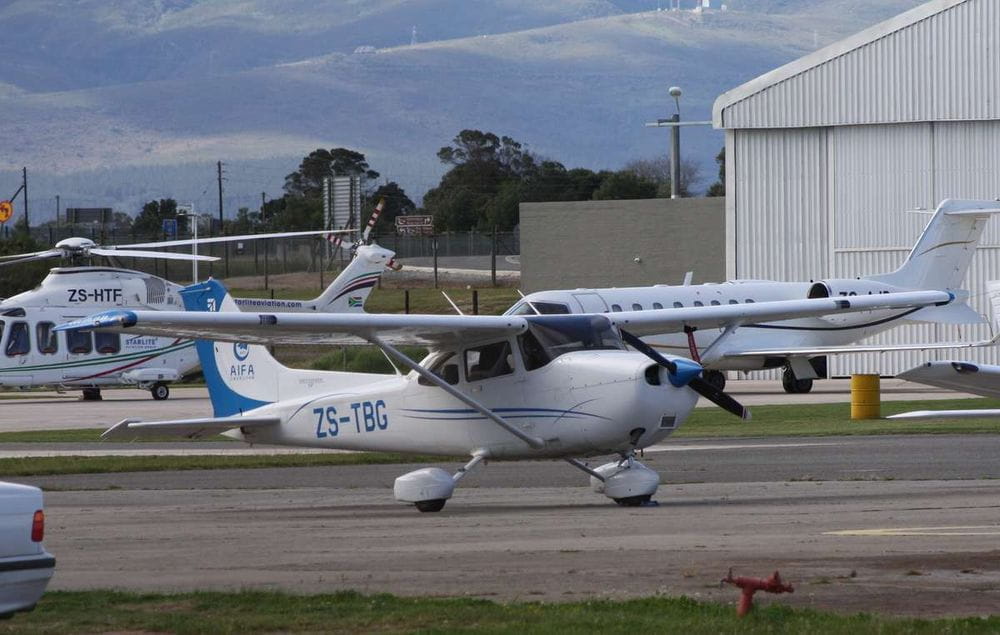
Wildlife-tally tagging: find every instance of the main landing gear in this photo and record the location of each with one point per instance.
(431, 487)
(159, 391)
(793, 385)
(92, 394)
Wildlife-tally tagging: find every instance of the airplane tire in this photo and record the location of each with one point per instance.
(92, 394)
(716, 379)
(435, 505)
(634, 501)
(160, 391)
(795, 386)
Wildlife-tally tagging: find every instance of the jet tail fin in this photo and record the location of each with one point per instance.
(940, 259)
(348, 292)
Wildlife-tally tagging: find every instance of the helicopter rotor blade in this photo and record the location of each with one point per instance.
(38, 255)
(227, 239)
(162, 255)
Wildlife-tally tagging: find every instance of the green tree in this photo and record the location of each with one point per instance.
(719, 187)
(307, 181)
(149, 222)
(657, 170)
(397, 203)
(625, 185)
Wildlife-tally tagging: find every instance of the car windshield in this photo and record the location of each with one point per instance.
(568, 333)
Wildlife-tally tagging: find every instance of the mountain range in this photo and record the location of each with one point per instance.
(115, 102)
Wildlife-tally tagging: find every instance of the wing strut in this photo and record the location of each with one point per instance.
(534, 442)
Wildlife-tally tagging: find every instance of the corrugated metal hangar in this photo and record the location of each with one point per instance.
(825, 155)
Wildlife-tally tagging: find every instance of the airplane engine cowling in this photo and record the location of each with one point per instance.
(848, 287)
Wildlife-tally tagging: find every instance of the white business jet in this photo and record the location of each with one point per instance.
(492, 387)
(938, 261)
(32, 354)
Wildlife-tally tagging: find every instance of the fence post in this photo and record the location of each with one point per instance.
(475, 301)
(266, 250)
(434, 248)
(406, 301)
(493, 257)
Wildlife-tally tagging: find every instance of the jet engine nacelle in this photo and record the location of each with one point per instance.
(848, 287)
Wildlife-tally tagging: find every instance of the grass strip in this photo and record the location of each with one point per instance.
(349, 612)
(47, 466)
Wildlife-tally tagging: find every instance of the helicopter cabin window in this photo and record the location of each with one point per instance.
(678, 305)
(491, 360)
(617, 308)
(636, 306)
(46, 339)
(79, 342)
(446, 368)
(107, 343)
(657, 305)
(17, 341)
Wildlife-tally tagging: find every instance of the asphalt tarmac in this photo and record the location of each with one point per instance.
(905, 525)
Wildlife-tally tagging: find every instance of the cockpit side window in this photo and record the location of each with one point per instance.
(446, 368)
(532, 352)
(46, 339)
(490, 360)
(18, 341)
(79, 342)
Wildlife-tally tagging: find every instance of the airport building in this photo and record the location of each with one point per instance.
(825, 155)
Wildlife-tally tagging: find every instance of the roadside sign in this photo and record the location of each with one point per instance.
(6, 211)
(170, 227)
(414, 224)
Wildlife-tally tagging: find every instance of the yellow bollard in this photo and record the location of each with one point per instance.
(865, 399)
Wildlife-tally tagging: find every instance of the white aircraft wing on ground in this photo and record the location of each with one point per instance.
(338, 329)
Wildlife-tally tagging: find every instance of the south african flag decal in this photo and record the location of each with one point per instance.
(354, 301)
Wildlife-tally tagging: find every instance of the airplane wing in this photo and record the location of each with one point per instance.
(979, 379)
(841, 350)
(432, 330)
(189, 428)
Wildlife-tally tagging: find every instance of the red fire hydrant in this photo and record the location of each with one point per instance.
(750, 586)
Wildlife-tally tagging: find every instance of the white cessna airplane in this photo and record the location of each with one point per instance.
(32, 354)
(938, 261)
(492, 387)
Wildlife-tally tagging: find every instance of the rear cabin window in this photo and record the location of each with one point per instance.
(636, 306)
(699, 303)
(617, 308)
(734, 302)
(749, 300)
(715, 303)
(657, 305)
(46, 339)
(491, 360)
(107, 343)
(79, 342)
(18, 341)
(678, 305)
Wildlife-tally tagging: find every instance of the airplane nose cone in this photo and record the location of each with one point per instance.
(686, 371)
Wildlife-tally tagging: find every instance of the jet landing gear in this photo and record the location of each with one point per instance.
(431, 487)
(794, 386)
(92, 394)
(715, 378)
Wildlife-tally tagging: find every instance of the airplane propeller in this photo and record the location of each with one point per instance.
(686, 372)
(77, 248)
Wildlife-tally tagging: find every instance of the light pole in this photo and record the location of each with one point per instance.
(188, 211)
(674, 123)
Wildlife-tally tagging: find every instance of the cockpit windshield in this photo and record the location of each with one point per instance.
(549, 337)
(538, 308)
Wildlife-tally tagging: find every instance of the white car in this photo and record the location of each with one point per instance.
(25, 565)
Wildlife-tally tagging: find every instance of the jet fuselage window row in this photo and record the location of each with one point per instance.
(617, 308)
(18, 340)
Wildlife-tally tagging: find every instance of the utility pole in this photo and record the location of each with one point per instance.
(225, 246)
(675, 123)
(57, 210)
(24, 184)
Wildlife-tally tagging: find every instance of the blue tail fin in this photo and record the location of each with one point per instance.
(236, 374)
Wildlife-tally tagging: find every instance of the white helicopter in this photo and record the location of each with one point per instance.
(938, 261)
(492, 387)
(32, 354)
